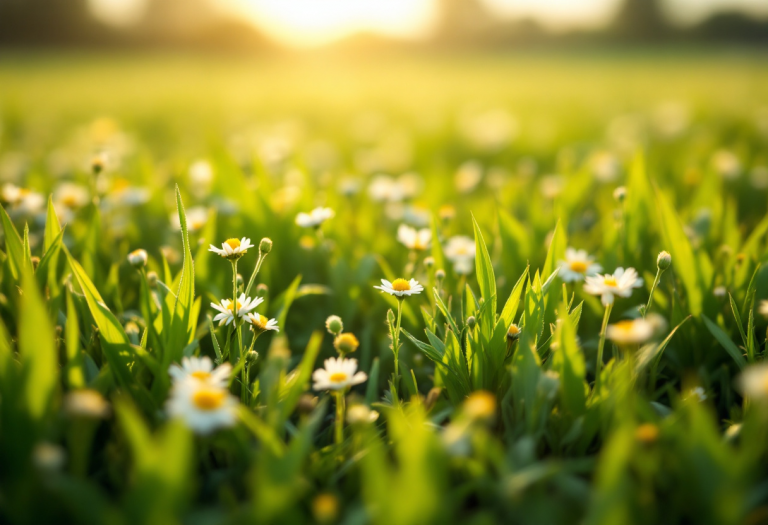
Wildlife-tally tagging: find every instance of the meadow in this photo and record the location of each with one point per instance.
(326, 288)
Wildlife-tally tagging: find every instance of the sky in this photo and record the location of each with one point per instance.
(307, 23)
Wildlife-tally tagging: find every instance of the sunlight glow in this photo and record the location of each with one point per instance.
(117, 12)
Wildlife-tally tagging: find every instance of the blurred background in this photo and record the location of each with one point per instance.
(273, 25)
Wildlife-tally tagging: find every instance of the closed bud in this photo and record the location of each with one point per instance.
(620, 194)
(35, 260)
(239, 280)
(251, 357)
(262, 289)
(152, 279)
(265, 246)
(440, 274)
(471, 321)
(334, 325)
(664, 260)
(429, 262)
(138, 258)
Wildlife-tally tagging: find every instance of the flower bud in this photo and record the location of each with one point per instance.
(307, 403)
(262, 289)
(480, 405)
(664, 260)
(440, 274)
(152, 279)
(513, 333)
(35, 260)
(265, 246)
(98, 163)
(471, 321)
(325, 508)
(138, 258)
(346, 343)
(429, 262)
(251, 357)
(239, 280)
(360, 415)
(334, 325)
(647, 433)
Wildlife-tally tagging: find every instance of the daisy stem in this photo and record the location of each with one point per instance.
(653, 289)
(339, 429)
(239, 329)
(262, 256)
(396, 344)
(600, 346)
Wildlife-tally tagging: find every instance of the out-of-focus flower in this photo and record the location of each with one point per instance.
(346, 343)
(314, 218)
(48, 456)
(360, 415)
(201, 406)
(628, 332)
(726, 164)
(619, 284)
(226, 308)
(578, 265)
(349, 186)
(480, 404)
(384, 188)
(647, 433)
(620, 194)
(338, 374)
(671, 119)
(200, 177)
(754, 382)
(698, 393)
(489, 130)
(197, 217)
(201, 369)
(514, 332)
(23, 200)
(138, 258)
(325, 508)
(763, 308)
(551, 185)
(71, 195)
(86, 403)
(460, 250)
(400, 287)
(468, 176)
(605, 166)
(414, 239)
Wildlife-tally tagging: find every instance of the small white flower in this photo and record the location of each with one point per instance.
(577, 265)
(460, 250)
(71, 195)
(698, 392)
(726, 164)
(384, 188)
(314, 218)
(226, 308)
(203, 407)
(86, 403)
(468, 176)
(619, 284)
(763, 308)
(260, 324)
(232, 248)
(360, 415)
(414, 239)
(400, 287)
(201, 369)
(200, 173)
(635, 331)
(338, 374)
(721, 291)
(754, 382)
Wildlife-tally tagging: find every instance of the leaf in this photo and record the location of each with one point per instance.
(725, 341)
(13, 246)
(181, 330)
(301, 376)
(556, 251)
(485, 277)
(287, 300)
(513, 302)
(683, 259)
(568, 361)
(75, 371)
(37, 349)
(650, 352)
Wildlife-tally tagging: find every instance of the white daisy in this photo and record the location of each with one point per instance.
(260, 324)
(338, 374)
(635, 331)
(360, 415)
(400, 287)
(460, 250)
(763, 308)
(619, 284)
(414, 239)
(71, 195)
(87, 403)
(232, 248)
(197, 217)
(226, 308)
(201, 369)
(314, 218)
(577, 265)
(203, 407)
(384, 188)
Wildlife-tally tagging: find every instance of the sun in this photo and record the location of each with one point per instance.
(306, 23)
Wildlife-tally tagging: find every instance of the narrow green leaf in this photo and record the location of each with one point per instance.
(725, 341)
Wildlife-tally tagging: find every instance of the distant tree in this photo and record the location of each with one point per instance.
(46, 22)
(640, 20)
(462, 20)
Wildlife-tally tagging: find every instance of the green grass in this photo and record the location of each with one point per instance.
(477, 427)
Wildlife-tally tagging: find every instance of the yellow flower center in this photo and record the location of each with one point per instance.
(338, 377)
(513, 330)
(201, 375)
(196, 224)
(209, 399)
(624, 326)
(231, 306)
(579, 266)
(69, 201)
(609, 280)
(121, 184)
(259, 321)
(233, 243)
(418, 245)
(346, 343)
(401, 285)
